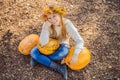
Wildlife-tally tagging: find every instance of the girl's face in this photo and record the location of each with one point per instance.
(54, 19)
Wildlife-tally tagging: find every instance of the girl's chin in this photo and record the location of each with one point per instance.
(55, 24)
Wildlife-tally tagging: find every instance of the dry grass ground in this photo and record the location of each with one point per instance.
(98, 22)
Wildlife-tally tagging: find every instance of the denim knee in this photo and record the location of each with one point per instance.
(33, 52)
(60, 53)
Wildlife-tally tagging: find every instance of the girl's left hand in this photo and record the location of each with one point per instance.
(74, 59)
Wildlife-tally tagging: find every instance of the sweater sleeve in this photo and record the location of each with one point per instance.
(44, 35)
(74, 34)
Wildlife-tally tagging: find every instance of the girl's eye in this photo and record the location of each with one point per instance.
(53, 15)
(49, 18)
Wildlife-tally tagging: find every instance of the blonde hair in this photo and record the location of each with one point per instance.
(63, 35)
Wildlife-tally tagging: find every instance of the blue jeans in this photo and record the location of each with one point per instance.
(47, 59)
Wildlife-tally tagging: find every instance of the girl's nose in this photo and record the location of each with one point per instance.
(53, 20)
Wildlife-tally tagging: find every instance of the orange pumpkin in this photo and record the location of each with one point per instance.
(26, 45)
(83, 59)
(50, 47)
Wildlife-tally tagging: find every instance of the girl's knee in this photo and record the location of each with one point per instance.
(63, 53)
(34, 51)
(64, 50)
(59, 54)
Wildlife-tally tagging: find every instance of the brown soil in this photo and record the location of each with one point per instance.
(98, 22)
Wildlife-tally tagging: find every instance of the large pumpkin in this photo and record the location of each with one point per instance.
(26, 45)
(50, 47)
(83, 59)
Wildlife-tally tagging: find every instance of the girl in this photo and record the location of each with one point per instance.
(57, 27)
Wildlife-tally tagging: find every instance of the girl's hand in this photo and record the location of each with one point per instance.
(47, 23)
(74, 59)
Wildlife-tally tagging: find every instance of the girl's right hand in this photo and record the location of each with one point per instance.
(47, 23)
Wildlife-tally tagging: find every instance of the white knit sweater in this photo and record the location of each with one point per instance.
(71, 30)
